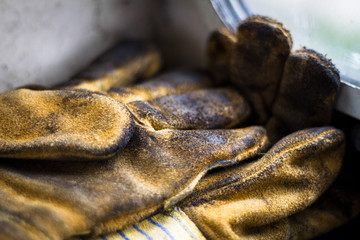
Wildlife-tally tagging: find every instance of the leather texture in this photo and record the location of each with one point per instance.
(171, 142)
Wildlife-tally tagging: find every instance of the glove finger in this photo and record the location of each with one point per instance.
(120, 66)
(236, 202)
(156, 168)
(219, 47)
(62, 124)
(257, 62)
(201, 109)
(306, 96)
(175, 82)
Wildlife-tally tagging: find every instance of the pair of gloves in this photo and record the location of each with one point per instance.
(92, 156)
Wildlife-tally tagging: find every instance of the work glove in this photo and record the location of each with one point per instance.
(283, 198)
(76, 161)
(264, 198)
(277, 196)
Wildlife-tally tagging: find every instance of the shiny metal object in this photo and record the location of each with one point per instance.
(231, 12)
(348, 100)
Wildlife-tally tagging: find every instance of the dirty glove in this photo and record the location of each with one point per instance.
(274, 197)
(259, 198)
(55, 182)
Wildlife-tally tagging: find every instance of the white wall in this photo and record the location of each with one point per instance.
(45, 42)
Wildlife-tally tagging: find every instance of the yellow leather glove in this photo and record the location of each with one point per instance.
(278, 196)
(55, 182)
(264, 198)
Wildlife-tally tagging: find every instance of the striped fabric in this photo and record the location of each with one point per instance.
(174, 225)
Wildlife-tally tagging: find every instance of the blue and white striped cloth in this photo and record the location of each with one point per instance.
(174, 225)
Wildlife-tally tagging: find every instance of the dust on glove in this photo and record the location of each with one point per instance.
(258, 198)
(167, 153)
(62, 124)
